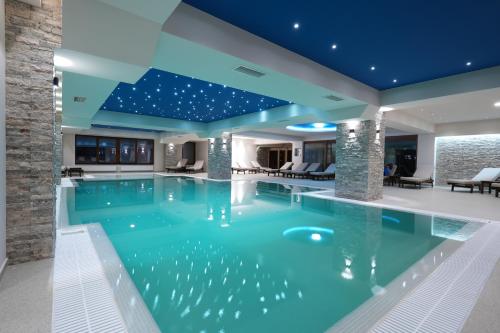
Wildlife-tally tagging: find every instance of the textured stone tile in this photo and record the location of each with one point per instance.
(463, 157)
(220, 158)
(33, 152)
(360, 160)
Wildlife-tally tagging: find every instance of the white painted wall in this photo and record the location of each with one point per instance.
(202, 153)
(299, 158)
(3, 255)
(491, 126)
(244, 151)
(69, 150)
(425, 151)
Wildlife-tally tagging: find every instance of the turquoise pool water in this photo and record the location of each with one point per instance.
(251, 257)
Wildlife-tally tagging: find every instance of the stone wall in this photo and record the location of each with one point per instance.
(360, 159)
(32, 34)
(173, 154)
(463, 157)
(263, 156)
(219, 158)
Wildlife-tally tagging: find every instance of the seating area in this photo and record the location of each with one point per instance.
(289, 170)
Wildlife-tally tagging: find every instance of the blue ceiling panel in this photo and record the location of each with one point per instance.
(163, 94)
(383, 44)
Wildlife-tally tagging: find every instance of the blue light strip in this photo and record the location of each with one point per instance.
(313, 127)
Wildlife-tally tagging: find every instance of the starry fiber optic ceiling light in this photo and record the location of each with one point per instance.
(388, 44)
(164, 94)
(313, 127)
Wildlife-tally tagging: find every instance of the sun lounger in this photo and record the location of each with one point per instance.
(275, 172)
(496, 188)
(421, 176)
(196, 167)
(311, 168)
(329, 173)
(300, 167)
(244, 166)
(485, 175)
(236, 167)
(181, 165)
(259, 167)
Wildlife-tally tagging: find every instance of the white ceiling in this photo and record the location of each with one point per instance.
(470, 106)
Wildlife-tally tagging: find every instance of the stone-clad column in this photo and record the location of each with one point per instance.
(219, 157)
(31, 35)
(173, 153)
(360, 159)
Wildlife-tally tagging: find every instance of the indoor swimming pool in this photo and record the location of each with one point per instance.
(248, 256)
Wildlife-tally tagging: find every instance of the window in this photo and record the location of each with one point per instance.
(322, 152)
(85, 149)
(144, 152)
(109, 150)
(127, 151)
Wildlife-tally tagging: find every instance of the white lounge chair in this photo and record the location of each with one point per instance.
(313, 167)
(196, 167)
(236, 167)
(181, 165)
(421, 176)
(284, 168)
(300, 167)
(259, 167)
(487, 175)
(246, 167)
(329, 173)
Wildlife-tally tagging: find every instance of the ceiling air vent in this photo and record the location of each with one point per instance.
(334, 98)
(249, 71)
(79, 99)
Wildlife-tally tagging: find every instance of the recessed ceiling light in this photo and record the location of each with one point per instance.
(296, 26)
(385, 108)
(372, 68)
(395, 81)
(468, 63)
(334, 46)
(497, 104)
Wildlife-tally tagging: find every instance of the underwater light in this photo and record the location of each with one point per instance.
(307, 234)
(316, 237)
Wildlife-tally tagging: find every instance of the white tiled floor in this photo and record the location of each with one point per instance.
(26, 298)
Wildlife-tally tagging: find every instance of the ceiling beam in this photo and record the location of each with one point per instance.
(202, 29)
(408, 123)
(456, 84)
(110, 118)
